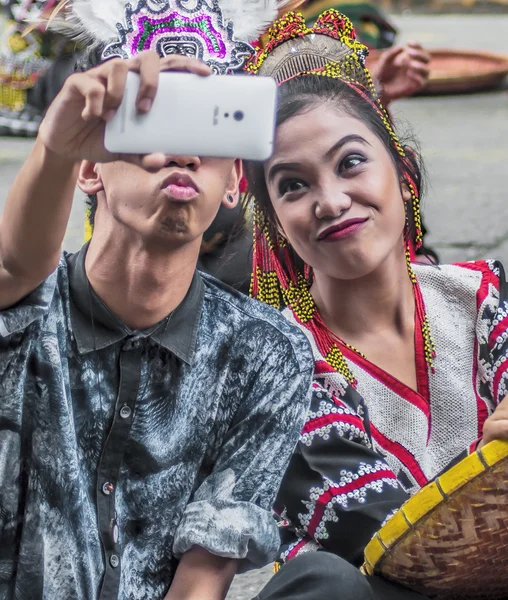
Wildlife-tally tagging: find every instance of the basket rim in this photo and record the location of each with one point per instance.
(435, 493)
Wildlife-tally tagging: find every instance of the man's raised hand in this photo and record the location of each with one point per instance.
(74, 125)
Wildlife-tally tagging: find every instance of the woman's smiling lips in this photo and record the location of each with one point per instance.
(180, 187)
(341, 230)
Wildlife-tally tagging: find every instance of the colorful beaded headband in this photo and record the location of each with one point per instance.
(328, 49)
(293, 49)
(215, 31)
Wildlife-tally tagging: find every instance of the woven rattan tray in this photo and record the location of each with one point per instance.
(453, 71)
(450, 540)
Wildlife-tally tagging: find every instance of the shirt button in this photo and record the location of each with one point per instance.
(115, 533)
(125, 412)
(114, 561)
(108, 488)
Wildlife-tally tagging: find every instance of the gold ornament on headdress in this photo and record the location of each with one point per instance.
(328, 49)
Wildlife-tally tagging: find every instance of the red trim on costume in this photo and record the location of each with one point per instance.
(325, 497)
(320, 422)
(294, 551)
(422, 373)
(474, 445)
(488, 278)
(401, 453)
(321, 367)
(422, 368)
(482, 412)
(391, 382)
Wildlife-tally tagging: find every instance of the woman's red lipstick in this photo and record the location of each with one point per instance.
(341, 230)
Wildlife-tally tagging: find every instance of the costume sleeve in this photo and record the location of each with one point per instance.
(495, 313)
(231, 512)
(337, 492)
(18, 317)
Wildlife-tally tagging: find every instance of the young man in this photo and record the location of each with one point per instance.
(147, 412)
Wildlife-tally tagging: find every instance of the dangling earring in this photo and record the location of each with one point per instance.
(429, 347)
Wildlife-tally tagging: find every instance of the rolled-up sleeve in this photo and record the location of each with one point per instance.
(18, 317)
(231, 513)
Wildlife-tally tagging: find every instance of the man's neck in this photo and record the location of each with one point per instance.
(141, 285)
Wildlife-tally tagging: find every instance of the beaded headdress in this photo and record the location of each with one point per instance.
(328, 49)
(215, 31)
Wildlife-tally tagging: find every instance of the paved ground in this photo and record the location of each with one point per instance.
(464, 141)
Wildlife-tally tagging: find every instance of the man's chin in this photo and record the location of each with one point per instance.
(175, 226)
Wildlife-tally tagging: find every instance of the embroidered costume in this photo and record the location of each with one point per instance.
(370, 441)
(363, 451)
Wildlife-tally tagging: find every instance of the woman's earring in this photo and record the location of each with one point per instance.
(230, 198)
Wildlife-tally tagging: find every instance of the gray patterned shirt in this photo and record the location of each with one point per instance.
(120, 450)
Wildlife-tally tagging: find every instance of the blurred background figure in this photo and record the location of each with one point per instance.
(399, 71)
(33, 66)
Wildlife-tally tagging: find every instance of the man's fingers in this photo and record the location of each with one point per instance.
(92, 91)
(147, 64)
(185, 63)
(115, 87)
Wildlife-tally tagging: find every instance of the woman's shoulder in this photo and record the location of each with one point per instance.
(461, 278)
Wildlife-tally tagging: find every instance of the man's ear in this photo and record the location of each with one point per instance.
(89, 178)
(232, 192)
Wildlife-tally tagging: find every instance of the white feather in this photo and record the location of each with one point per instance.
(251, 18)
(91, 21)
(95, 21)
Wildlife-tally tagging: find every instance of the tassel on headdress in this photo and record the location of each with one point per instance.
(328, 49)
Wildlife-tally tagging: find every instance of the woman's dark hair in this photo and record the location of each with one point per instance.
(302, 94)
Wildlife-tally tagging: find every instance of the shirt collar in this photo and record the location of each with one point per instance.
(96, 327)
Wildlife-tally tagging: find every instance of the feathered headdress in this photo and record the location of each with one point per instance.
(215, 31)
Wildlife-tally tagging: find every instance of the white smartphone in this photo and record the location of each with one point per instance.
(224, 116)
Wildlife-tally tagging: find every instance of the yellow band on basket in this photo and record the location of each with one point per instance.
(428, 498)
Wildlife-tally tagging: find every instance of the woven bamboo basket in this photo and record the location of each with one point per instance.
(450, 540)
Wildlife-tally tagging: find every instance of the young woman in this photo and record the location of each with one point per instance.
(410, 360)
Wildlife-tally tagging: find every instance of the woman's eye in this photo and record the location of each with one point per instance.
(351, 161)
(290, 185)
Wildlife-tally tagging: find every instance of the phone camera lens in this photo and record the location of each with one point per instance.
(238, 116)
(226, 115)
